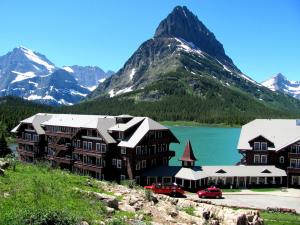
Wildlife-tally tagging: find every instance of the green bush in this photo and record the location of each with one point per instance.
(148, 195)
(189, 210)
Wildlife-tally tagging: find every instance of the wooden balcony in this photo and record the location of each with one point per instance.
(94, 153)
(158, 154)
(60, 134)
(294, 155)
(65, 160)
(23, 152)
(85, 166)
(293, 170)
(26, 141)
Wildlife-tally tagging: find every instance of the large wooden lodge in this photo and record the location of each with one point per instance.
(104, 147)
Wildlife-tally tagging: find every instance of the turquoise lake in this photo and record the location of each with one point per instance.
(212, 146)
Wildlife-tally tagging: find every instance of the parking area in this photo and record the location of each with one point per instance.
(261, 201)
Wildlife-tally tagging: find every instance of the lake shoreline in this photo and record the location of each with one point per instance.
(197, 124)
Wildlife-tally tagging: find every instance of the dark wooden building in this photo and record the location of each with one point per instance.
(104, 147)
(273, 142)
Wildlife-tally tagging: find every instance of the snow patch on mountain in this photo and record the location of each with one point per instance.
(22, 76)
(188, 47)
(35, 58)
(131, 75)
(68, 69)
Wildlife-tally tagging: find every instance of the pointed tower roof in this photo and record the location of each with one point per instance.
(188, 154)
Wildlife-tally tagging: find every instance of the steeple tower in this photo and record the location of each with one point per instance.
(188, 158)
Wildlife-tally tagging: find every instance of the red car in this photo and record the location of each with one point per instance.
(211, 192)
(166, 189)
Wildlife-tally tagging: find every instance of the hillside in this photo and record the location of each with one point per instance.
(184, 60)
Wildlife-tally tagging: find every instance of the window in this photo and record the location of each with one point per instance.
(100, 162)
(281, 159)
(298, 149)
(78, 144)
(153, 162)
(256, 145)
(35, 138)
(122, 177)
(120, 135)
(144, 150)
(98, 147)
(295, 180)
(264, 146)
(165, 161)
(89, 133)
(138, 150)
(103, 148)
(84, 159)
(295, 163)
(264, 159)
(85, 145)
(90, 145)
(144, 163)
(114, 162)
(123, 150)
(137, 166)
(154, 149)
(256, 158)
(119, 163)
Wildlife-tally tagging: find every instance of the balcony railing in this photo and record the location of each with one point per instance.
(27, 141)
(88, 152)
(294, 155)
(293, 169)
(60, 134)
(24, 152)
(87, 166)
(158, 154)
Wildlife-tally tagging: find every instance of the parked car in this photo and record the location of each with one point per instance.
(167, 189)
(211, 192)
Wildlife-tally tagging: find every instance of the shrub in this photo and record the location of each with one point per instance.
(148, 195)
(130, 183)
(189, 210)
(49, 217)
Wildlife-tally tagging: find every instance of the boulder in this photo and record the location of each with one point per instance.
(84, 223)
(109, 200)
(242, 220)
(4, 164)
(126, 207)
(2, 172)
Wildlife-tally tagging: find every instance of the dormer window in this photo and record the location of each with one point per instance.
(256, 146)
(264, 146)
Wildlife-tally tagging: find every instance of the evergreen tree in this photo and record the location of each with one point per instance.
(4, 150)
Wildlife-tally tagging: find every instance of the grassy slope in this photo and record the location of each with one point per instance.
(32, 188)
(280, 218)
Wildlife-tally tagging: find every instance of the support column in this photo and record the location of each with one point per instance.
(232, 180)
(190, 183)
(257, 180)
(280, 180)
(237, 182)
(266, 180)
(273, 180)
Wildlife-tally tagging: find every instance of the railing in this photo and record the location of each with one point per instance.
(293, 169)
(27, 141)
(158, 154)
(25, 152)
(60, 134)
(65, 160)
(88, 152)
(87, 166)
(294, 155)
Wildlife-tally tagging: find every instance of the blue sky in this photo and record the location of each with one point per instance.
(261, 36)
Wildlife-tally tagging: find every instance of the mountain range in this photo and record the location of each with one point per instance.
(280, 83)
(30, 75)
(181, 73)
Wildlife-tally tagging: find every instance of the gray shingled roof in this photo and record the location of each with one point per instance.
(147, 125)
(281, 132)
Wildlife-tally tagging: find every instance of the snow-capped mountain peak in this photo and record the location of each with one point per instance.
(30, 75)
(279, 82)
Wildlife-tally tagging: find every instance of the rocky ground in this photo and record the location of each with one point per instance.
(149, 208)
(165, 210)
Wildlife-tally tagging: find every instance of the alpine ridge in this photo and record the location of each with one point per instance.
(31, 76)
